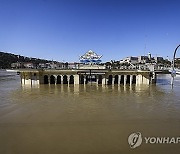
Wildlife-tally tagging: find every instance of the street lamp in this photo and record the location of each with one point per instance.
(173, 73)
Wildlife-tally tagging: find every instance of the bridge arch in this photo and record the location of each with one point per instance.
(81, 79)
(110, 79)
(174, 56)
(65, 79)
(71, 79)
(52, 79)
(58, 79)
(122, 79)
(46, 81)
(128, 79)
(99, 79)
(173, 73)
(134, 79)
(116, 78)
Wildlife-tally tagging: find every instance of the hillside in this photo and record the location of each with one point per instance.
(6, 59)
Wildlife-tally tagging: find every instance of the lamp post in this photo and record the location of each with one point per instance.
(173, 73)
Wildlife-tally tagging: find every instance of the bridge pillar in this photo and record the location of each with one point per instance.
(125, 79)
(153, 78)
(145, 80)
(76, 79)
(68, 79)
(55, 78)
(22, 81)
(106, 81)
(97, 79)
(34, 79)
(119, 79)
(27, 79)
(131, 77)
(113, 79)
(61, 79)
(84, 79)
(49, 81)
(139, 79)
(103, 80)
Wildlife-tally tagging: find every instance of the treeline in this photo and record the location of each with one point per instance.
(6, 59)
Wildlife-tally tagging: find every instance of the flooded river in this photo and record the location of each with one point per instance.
(87, 119)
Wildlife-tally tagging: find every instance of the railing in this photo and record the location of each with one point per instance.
(146, 67)
(142, 67)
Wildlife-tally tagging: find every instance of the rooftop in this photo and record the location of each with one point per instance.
(90, 57)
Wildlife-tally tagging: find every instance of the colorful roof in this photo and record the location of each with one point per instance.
(90, 55)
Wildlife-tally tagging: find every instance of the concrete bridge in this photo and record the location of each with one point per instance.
(86, 76)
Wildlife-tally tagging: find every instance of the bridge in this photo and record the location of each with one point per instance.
(91, 71)
(86, 76)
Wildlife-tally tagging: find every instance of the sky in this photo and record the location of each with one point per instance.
(63, 30)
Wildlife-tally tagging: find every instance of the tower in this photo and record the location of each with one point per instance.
(149, 56)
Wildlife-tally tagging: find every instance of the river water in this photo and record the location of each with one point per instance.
(87, 119)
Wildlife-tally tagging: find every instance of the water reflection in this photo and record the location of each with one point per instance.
(80, 89)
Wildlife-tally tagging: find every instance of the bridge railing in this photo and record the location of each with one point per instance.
(147, 67)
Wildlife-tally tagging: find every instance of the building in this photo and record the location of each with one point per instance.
(86, 76)
(130, 59)
(41, 65)
(143, 59)
(149, 56)
(29, 65)
(23, 65)
(17, 65)
(177, 62)
(73, 65)
(51, 65)
(177, 59)
(90, 71)
(158, 59)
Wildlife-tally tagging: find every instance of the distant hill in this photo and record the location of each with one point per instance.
(6, 59)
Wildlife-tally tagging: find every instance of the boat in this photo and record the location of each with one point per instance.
(11, 70)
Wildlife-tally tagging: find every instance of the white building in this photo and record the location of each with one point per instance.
(143, 59)
(29, 65)
(132, 60)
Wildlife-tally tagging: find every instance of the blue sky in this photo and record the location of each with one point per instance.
(64, 29)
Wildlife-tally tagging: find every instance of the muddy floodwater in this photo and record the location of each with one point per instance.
(87, 119)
